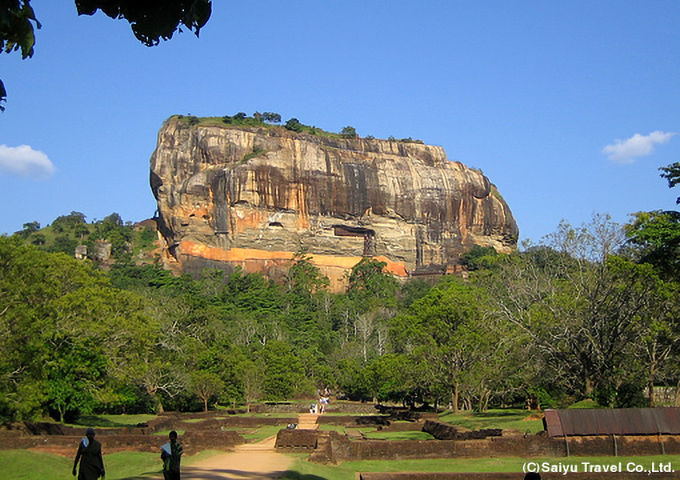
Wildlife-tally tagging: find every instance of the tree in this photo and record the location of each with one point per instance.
(74, 376)
(58, 314)
(351, 378)
(150, 21)
(271, 117)
(387, 378)
(66, 223)
(252, 377)
(16, 32)
(293, 125)
(672, 174)
(593, 241)
(155, 20)
(284, 374)
(348, 132)
(656, 234)
(206, 385)
(581, 311)
(28, 230)
(478, 257)
(655, 238)
(370, 286)
(448, 338)
(656, 347)
(305, 290)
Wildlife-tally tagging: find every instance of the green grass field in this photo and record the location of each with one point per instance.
(112, 421)
(19, 464)
(514, 419)
(398, 436)
(346, 471)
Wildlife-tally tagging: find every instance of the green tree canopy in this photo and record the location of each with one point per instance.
(655, 235)
(349, 132)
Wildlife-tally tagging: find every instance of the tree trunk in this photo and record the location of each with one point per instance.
(650, 384)
(159, 405)
(454, 399)
(588, 386)
(484, 401)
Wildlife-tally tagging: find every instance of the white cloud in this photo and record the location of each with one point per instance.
(25, 162)
(626, 151)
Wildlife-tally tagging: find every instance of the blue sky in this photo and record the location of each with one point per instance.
(569, 108)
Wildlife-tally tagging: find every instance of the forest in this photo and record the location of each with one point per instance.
(589, 312)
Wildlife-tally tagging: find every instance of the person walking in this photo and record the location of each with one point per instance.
(171, 454)
(90, 457)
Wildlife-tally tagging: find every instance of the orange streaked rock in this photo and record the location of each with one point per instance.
(337, 199)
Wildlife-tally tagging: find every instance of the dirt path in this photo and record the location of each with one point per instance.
(250, 461)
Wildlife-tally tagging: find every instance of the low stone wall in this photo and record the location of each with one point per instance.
(402, 427)
(200, 423)
(236, 422)
(281, 407)
(354, 421)
(621, 446)
(338, 447)
(295, 441)
(444, 431)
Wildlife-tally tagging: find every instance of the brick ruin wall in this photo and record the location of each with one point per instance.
(333, 447)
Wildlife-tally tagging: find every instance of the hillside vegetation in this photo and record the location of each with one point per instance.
(273, 120)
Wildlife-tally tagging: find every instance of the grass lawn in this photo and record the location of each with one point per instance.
(267, 415)
(303, 470)
(21, 464)
(327, 427)
(507, 418)
(398, 436)
(112, 421)
(261, 433)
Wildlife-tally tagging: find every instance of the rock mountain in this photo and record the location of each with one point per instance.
(254, 197)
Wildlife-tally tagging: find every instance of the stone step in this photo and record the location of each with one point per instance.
(268, 444)
(308, 421)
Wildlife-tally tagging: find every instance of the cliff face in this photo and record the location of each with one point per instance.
(253, 197)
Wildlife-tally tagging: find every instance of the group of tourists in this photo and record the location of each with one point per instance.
(320, 406)
(92, 464)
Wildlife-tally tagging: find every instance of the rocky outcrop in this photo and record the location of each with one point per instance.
(253, 197)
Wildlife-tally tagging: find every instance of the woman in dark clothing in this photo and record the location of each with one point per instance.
(171, 454)
(90, 457)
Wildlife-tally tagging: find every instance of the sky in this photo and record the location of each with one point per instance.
(569, 108)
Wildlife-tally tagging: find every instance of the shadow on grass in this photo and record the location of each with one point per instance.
(95, 421)
(293, 475)
(497, 414)
(144, 476)
(117, 421)
(221, 474)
